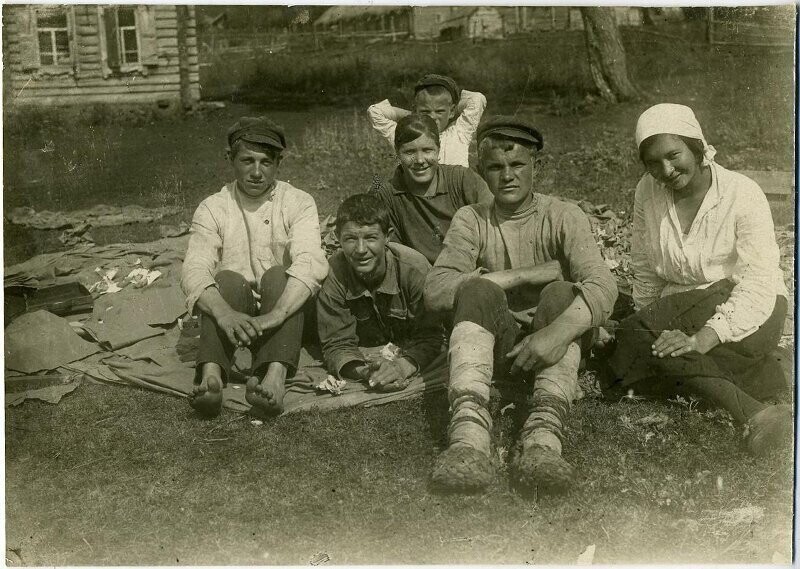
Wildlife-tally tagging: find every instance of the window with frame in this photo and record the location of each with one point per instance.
(52, 30)
(127, 35)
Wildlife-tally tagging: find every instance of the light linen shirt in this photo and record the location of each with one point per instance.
(454, 140)
(732, 237)
(482, 237)
(231, 231)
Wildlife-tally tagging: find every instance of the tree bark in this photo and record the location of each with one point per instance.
(184, 73)
(607, 61)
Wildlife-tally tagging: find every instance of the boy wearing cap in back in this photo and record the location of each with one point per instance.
(528, 258)
(373, 296)
(456, 112)
(253, 262)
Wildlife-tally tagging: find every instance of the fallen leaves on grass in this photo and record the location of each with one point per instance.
(690, 404)
(648, 427)
(657, 420)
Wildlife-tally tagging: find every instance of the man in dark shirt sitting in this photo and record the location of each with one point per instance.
(373, 296)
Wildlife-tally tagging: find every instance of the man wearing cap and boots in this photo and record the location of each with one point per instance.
(527, 285)
(253, 262)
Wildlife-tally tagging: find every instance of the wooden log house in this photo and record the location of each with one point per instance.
(84, 54)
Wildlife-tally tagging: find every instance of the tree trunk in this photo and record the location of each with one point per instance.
(607, 55)
(182, 16)
(647, 17)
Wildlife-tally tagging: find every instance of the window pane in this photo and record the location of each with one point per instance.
(46, 58)
(125, 17)
(51, 17)
(130, 40)
(44, 42)
(62, 42)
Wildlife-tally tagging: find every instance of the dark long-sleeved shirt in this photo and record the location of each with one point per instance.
(422, 221)
(349, 315)
(482, 237)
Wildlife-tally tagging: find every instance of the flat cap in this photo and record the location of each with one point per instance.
(441, 80)
(511, 127)
(257, 129)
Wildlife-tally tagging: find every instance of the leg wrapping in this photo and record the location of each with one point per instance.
(538, 463)
(466, 465)
(471, 425)
(554, 390)
(471, 361)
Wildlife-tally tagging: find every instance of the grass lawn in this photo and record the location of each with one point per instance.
(114, 475)
(124, 476)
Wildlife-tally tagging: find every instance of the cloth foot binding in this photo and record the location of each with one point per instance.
(538, 464)
(466, 465)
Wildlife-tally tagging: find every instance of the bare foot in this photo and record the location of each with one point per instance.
(266, 396)
(206, 398)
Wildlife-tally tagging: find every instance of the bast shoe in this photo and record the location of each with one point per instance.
(769, 429)
(542, 469)
(462, 469)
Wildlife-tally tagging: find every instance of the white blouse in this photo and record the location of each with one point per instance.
(732, 237)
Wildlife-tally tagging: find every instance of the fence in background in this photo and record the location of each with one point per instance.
(720, 29)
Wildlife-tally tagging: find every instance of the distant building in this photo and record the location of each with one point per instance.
(450, 22)
(625, 15)
(59, 54)
(474, 22)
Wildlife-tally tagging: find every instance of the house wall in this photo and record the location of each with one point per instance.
(426, 21)
(485, 23)
(625, 16)
(544, 17)
(88, 81)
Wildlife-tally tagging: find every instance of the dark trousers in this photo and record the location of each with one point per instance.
(485, 303)
(748, 364)
(281, 344)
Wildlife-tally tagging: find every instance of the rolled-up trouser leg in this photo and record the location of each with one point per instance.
(215, 347)
(282, 344)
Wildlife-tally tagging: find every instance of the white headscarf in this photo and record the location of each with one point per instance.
(669, 118)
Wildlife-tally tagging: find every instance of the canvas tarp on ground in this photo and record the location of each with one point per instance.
(137, 336)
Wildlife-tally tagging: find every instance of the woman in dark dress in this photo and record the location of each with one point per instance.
(708, 288)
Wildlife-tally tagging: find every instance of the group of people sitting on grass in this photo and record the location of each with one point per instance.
(508, 282)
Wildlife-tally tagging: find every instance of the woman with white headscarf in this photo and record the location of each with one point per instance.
(708, 288)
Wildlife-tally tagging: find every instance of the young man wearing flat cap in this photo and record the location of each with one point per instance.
(254, 260)
(543, 287)
(456, 112)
